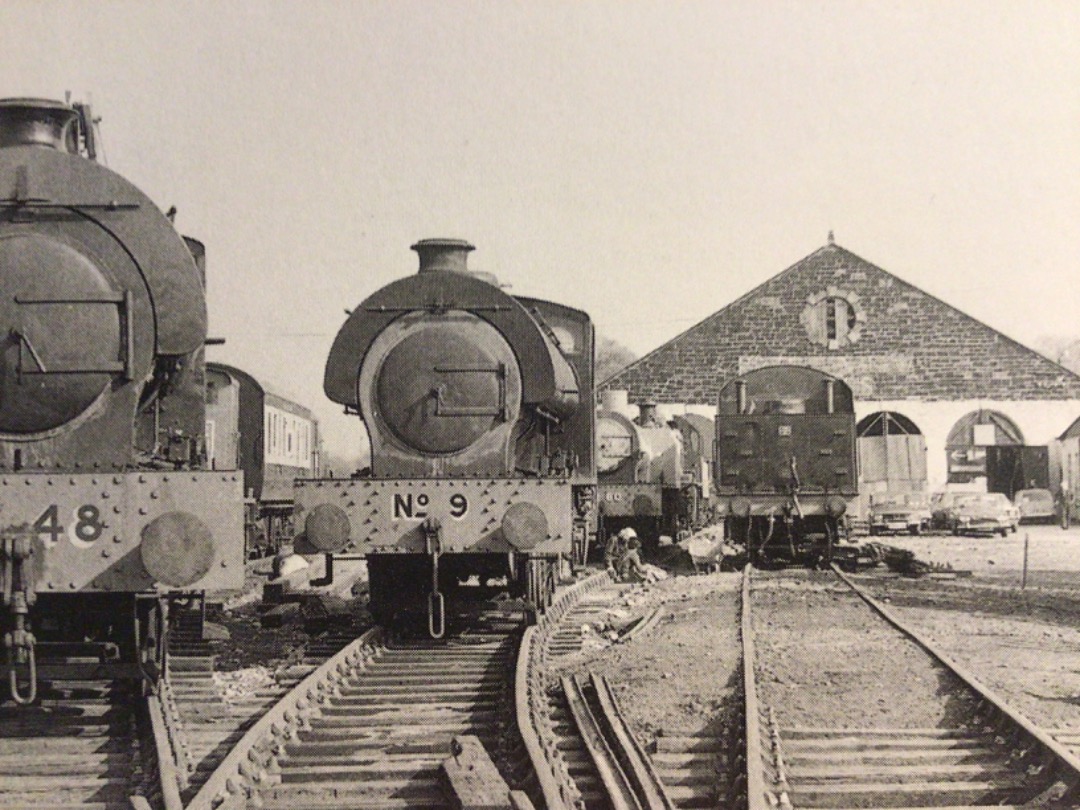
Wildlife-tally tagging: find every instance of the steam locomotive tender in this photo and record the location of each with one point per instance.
(478, 409)
(106, 508)
(785, 465)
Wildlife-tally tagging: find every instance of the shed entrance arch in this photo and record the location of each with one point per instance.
(892, 454)
(968, 444)
(988, 443)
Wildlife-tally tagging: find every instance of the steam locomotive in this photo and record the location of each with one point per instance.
(639, 472)
(785, 465)
(478, 407)
(107, 506)
(653, 476)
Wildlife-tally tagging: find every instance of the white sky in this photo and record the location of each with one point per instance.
(646, 162)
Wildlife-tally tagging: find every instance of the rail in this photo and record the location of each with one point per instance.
(254, 758)
(168, 773)
(757, 798)
(549, 765)
(617, 782)
(635, 783)
(1066, 765)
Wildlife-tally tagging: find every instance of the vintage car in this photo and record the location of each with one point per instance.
(1036, 506)
(900, 512)
(985, 513)
(943, 508)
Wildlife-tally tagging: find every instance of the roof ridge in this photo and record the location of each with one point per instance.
(832, 247)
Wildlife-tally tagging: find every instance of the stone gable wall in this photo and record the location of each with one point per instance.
(910, 345)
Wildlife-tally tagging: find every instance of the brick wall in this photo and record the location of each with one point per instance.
(910, 345)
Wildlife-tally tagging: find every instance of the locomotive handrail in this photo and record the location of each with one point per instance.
(249, 761)
(1068, 764)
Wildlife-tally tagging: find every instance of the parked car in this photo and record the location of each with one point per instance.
(985, 513)
(895, 512)
(1036, 506)
(943, 508)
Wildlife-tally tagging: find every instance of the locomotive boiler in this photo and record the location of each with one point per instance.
(106, 505)
(477, 408)
(785, 465)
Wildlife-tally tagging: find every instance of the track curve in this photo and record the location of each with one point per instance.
(975, 751)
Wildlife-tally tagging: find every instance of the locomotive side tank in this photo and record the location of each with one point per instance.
(482, 474)
(785, 463)
(639, 472)
(103, 486)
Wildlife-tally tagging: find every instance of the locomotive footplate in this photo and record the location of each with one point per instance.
(128, 531)
(474, 515)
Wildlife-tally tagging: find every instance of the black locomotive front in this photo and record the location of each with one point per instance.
(785, 464)
(477, 407)
(102, 491)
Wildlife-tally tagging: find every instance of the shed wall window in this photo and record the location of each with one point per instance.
(839, 318)
(833, 318)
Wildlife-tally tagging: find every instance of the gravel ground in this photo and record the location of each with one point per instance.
(1022, 642)
(1052, 554)
(1019, 634)
(678, 676)
(825, 661)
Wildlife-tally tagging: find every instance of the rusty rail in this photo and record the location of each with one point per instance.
(623, 766)
(168, 773)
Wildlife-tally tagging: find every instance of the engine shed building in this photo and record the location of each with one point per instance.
(940, 397)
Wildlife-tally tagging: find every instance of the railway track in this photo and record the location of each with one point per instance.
(375, 724)
(207, 722)
(83, 744)
(583, 747)
(952, 742)
(372, 726)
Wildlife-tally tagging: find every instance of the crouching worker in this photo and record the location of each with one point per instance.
(615, 549)
(631, 568)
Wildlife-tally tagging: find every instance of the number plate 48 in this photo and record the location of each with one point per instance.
(82, 527)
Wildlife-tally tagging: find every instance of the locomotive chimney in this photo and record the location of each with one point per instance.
(443, 255)
(647, 414)
(38, 122)
(617, 400)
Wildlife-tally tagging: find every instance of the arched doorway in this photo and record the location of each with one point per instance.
(892, 454)
(988, 444)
